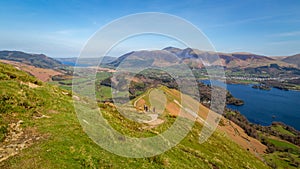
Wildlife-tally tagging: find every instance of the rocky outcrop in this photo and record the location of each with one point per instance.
(16, 140)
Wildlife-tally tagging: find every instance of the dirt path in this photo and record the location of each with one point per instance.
(233, 131)
(154, 121)
(140, 97)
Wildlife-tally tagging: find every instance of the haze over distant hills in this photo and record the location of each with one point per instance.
(197, 59)
(41, 101)
(192, 57)
(295, 59)
(86, 61)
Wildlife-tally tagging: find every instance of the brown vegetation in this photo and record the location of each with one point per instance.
(40, 73)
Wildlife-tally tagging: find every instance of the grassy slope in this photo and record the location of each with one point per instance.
(282, 160)
(65, 145)
(43, 74)
(284, 145)
(280, 129)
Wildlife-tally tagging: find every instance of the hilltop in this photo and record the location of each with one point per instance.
(153, 98)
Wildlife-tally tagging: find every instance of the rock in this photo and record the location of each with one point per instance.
(76, 98)
(111, 105)
(15, 141)
(65, 93)
(42, 116)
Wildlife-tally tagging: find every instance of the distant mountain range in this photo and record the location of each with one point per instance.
(197, 59)
(86, 61)
(295, 59)
(37, 60)
(192, 57)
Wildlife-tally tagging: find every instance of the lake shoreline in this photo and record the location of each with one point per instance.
(268, 83)
(265, 106)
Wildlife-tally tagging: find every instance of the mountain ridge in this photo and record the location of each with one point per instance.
(294, 59)
(189, 56)
(37, 60)
(198, 59)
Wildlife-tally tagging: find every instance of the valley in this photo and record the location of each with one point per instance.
(59, 132)
(264, 146)
(194, 84)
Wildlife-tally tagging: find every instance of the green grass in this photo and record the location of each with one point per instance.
(69, 147)
(285, 145)
(65, 145)
(247, 81)
(283, 160)
(103, 75)
(103, 92)
(230, 112)
(281, 130)
(8, 72)
(287, 157)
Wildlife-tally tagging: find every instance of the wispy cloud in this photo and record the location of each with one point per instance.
(286, 34)
(241, 21)
(287, 20)
(284, 42)
(69, 31)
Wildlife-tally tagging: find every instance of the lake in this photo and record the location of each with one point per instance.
(263, 107)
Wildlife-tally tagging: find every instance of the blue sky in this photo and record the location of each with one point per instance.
(61, 28)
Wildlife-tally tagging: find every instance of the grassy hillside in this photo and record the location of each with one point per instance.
(58, 141)
(40, 73)
(37, 60)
